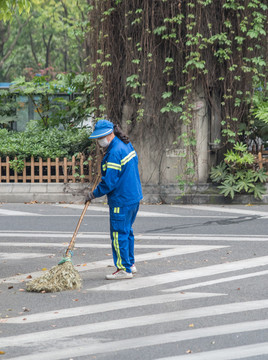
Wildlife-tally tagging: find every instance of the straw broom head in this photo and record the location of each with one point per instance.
(59, 278)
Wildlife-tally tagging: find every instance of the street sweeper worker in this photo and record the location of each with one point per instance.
(121, 183)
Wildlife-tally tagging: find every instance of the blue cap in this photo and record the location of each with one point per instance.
(102, 128)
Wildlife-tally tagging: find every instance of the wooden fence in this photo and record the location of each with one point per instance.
(64, 170)
(48, 171)
(263, 160)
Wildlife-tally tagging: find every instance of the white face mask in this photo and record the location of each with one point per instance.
(103, 142)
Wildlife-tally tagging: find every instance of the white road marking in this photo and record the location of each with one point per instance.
(71, 331)
(93, 245)
(196, 237)
(217, 281)
(102, 208)
(230, 209)
(142, 213)
(138, 237)
(109, 306)
(232, 353)
(5, 212)
(153, 235)
(160, 254)
(166, 278)
(167, 338)
(106, 210)
(21, 256)
(53, 235)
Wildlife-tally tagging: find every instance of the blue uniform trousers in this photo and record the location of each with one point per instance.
(121, 221)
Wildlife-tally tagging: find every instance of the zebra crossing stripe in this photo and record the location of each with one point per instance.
(5, 212)
(221, 209)
(160, 254)
(105, 209)
(232, 353)
(166, 338)
(138, 321)
(166, 278)
(111, 306)
(202, 237)
(217, 281)
(104, 236)
(21, 256)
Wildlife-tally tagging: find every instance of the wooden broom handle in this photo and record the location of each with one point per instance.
(71, 245)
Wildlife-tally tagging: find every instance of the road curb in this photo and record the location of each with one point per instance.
(154, 194)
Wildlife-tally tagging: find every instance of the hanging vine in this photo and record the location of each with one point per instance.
(171, 48)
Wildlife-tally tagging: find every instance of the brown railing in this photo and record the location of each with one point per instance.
(263, 160)
(48, 171)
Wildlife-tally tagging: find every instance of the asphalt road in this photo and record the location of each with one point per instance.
(200, 291)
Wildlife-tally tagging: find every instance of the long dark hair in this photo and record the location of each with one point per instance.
(119, 133)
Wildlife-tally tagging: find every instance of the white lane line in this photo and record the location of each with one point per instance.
(150, 215)
(142, 213)
(52, 235)
(232, 353)
(151, 235)
(174, 251)
(126, 323)
(230, 209)
(109, 306)
(221, 209)
(94, 245)
(217, 281)
(167, 338)
(105, 209)
(4, 212)
(138, 237)
(146, 235)
(166, 278)
(21, 256)
(195, 237)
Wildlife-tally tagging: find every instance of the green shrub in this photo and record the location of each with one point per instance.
(45, 143)
(236, 174)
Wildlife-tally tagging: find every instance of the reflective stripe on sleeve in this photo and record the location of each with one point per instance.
(114, 166)
(128, 157)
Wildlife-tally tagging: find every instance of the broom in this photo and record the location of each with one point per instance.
(62, 276)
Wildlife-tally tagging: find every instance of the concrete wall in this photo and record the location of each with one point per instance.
(162, 154)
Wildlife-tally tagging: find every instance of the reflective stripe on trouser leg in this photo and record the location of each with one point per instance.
(116, 248)
(133, 213)
(131, 247)
(121, 221)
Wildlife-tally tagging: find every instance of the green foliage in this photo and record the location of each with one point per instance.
(165, 56)
(193, 52)
(17, 165)
(48, 34)
(261, 112)
(45, 143)
(53, 109)
(236, 174)
(259, 116)
(8, 106)
(7, 8)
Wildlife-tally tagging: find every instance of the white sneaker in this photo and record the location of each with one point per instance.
(119, 275)
(133, 269)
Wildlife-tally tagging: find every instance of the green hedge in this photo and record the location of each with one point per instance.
(45, 143)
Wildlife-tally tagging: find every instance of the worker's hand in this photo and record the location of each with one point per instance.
(89, 197)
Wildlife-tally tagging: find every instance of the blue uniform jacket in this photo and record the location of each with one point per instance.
(120, 175)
